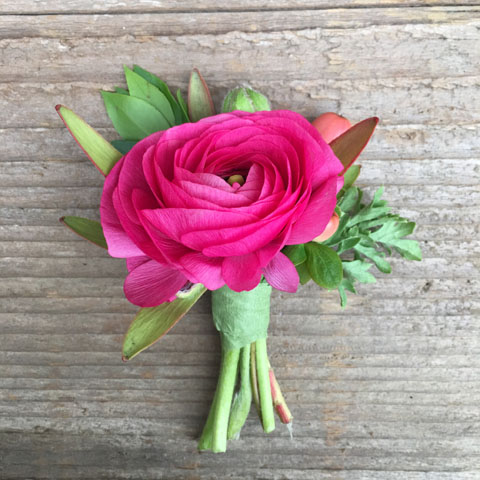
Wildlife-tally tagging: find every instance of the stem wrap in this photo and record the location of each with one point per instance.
(241, 317)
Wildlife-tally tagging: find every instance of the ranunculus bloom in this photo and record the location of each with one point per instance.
(167, 206)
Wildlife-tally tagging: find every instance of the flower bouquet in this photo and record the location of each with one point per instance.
(236, 203)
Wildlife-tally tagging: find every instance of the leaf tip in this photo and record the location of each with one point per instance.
(125, 358)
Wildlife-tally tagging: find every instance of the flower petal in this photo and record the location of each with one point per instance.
(242, 272)
(281, 273)
(152, 283)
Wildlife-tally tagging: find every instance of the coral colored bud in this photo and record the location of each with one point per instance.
(246, 99)
(330, 229)
(330, 125)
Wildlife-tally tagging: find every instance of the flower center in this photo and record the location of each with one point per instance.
(236, 179)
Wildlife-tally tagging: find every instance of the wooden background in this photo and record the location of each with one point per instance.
(388, 389)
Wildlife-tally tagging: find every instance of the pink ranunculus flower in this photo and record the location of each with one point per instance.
(168, 208)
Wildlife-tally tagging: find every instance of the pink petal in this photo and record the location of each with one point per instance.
(281, 273)
(152, 283)
(316, 216)
(201, 269)
(242, 272)
(119, 243)
(134, 262)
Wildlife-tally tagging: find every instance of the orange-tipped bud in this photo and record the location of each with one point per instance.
(330, 229)
(330, 125)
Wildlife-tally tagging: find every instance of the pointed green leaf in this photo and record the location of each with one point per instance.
(324, 265)
(200, 104)
(152, 323)
(103, 155)
(349, 145)
(88, 229)
(123, 146)
(349, 179)
(183, 105)
(163, 87)
(140, 88)
(133, 118)
(121, 90)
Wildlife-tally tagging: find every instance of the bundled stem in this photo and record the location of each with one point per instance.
(242, 319)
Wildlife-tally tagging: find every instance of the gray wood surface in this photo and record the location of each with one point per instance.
(387, 389)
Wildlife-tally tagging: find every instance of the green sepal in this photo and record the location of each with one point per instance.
(200, 104)
(150, 324)
(324, 265)
(102, 154)
(88, 229)
(133, 118)
(140, 88)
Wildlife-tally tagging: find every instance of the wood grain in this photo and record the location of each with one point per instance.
(386, 389)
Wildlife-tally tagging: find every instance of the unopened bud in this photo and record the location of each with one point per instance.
(246, 99)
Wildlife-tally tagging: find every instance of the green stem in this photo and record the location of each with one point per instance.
(243, 401)
(223, 403)
(253, 378)
(266, 403)
(205, 442)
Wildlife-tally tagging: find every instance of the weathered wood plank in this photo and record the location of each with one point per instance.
(398, 101)
(147, 6)
(440, 51)
(71, 26)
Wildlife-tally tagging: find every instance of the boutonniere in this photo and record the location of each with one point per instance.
(237, 203)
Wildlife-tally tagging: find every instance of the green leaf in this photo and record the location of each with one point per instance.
(140, 88)
(375, 209)
(349, 179)
(347, 244)
(163, 87)
(324, 265)
(349, 199)
(152, 323)
(88, 229)
(200, 104)
(391, 233)
(338, 235)
(103, 155)
(376, 256)
(357, 270)
(123, 146)
(349, 145)
(296, 253)
(303, 273)
(133, 118)
(183, 105)
(121, 90)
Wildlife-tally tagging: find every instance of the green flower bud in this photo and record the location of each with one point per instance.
(246, 99)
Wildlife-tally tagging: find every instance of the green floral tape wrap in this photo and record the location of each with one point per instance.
(241, 317)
